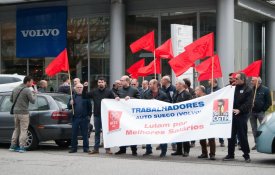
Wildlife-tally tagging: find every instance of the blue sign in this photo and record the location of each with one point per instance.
(41, 32)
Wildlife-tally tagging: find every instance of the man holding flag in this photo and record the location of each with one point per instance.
(261, 104)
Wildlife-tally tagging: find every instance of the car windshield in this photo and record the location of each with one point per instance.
(62, 100)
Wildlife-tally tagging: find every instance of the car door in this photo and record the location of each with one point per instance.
(6, 119)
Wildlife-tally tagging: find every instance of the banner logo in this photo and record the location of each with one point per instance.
(220, 112)
(114, 120)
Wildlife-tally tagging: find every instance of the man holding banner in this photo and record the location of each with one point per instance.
(181, 95)
(127, 92)
(241, 109)
(155, 93)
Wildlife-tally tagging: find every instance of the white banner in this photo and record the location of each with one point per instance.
(136, 121)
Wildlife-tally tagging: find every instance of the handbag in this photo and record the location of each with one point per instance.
(11, 111)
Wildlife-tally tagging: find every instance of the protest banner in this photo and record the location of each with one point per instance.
(136, 121)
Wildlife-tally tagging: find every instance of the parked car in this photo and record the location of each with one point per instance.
(49, 120)
(265, 137)
(9, 81)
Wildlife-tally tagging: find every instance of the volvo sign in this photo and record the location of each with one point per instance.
(41, 32)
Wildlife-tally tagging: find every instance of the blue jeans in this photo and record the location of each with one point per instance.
(163, 148)
(82, 123)
(98, 127)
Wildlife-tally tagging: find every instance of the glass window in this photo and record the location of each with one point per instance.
(6, 105)
(136, 27)
(62, 101)
(8, 51)
(5, 80)
(39, 105)
(99, 32)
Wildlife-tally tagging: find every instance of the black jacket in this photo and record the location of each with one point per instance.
(86, 107)
(208, 90)
(160, 96)
(169, 92)
(129, 91)
(243, 99)
(97, 95)
(183, 96)
(262, 99)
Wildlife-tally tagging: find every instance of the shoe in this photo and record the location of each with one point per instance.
(222, 145)
(228, 158)
(158, 147)
(185, 154)
(22, 149)
(72, 151)
(120, 152)
(109, 152)
(176, 154)
(94, 152)
(247, 160)
(147, 153)
(13, 148)
(212, 157)
(134, 153)
(87, 151)
(192, 145)
(253, 148)
(143, 146)
(203, 156)
(162, 155)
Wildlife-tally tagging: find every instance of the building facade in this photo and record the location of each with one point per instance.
(99, 33)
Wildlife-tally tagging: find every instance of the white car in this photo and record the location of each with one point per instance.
(9, 81)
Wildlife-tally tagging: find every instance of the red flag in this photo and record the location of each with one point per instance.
(201, 48)
(205, 69)
(133, 69)
(165, 50)
(147, 42)
(60, 63)
(181, 63)
(150, 69)
(253, 70)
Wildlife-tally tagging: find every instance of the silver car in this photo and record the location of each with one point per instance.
(265, 137)
(49, 120)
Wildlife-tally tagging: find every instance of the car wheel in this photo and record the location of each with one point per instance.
(63, 143)
(32, 141)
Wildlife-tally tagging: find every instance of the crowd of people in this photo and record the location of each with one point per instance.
(251, 101)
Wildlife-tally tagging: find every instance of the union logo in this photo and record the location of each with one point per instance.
(220, 111)
(114, 120)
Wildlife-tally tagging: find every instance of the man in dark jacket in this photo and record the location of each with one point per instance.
(167, 87)
(261, 104)
(127, 92)
(154, 92)
(82, 110)
(181, 95)
(241, 109)
(97, 95)
(65, 87)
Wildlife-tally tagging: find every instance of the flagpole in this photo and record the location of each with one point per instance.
(212, 86)
(155, 69)
(255, 92)
(222, 82)
(71, 92)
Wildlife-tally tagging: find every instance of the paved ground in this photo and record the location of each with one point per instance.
(52, 160)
